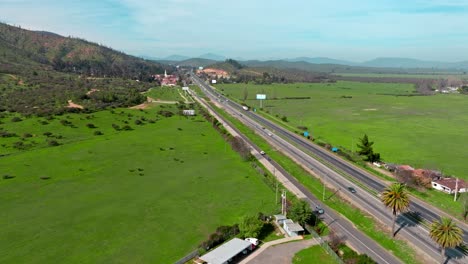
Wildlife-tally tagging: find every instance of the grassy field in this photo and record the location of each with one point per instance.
(164, 93)
(315, 254)
(147, 195)
(460, 75)
(423, 131)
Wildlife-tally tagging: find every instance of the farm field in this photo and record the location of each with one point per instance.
(406, 75)
(422, 131)
(164, 93)
(146, 195)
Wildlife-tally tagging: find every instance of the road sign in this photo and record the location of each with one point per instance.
(306, 134)
(185, 88)
(261, 96)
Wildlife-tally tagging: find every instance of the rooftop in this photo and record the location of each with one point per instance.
(226, 251)
(294, 227)
(451, 183)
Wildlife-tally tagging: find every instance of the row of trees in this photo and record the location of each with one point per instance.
(444, 232)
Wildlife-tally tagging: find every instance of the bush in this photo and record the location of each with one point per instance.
(127, 127)
(47, 134)
(53, 143)
(16, 119)
(90, 125)
(27, 135)
(98, 133)
(116, 127)
(7, 176)
(138, 122)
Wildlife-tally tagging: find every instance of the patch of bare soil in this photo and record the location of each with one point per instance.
(73, 105)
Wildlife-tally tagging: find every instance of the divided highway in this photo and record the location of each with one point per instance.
(305, 152)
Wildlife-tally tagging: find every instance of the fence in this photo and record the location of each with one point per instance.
(187, 257)
(324, 244)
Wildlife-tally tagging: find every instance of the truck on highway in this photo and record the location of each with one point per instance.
(246, 108)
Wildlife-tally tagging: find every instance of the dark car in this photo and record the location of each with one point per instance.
(351, 189)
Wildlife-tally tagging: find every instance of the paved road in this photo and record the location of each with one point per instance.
(412, 231)
(357, 239)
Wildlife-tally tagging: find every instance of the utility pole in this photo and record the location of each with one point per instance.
(456, 190)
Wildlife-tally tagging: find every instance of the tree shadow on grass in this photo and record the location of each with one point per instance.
(408, 219)
(266, 230)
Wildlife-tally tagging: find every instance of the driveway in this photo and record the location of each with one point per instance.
(282, 253)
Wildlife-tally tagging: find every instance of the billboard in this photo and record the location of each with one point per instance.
(261, 96)
(185, 88)
(213, 81)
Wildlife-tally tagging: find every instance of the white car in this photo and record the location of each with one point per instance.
(252, 240)
(262, 152)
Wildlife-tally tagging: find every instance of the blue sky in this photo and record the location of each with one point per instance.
(355, 30)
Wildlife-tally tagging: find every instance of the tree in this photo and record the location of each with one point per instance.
(250, 226)
(396, 198)
(446, 233)
(300, 212)
(367, 150)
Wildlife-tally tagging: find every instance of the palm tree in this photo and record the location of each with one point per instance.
(446, 233)
(396, 198)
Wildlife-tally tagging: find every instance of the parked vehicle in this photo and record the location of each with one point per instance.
(245, 108)
(252, 240)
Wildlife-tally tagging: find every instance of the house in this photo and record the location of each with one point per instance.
(291, 228)
(227, 251)
(449, 185)
(189, 112)
(279, 218)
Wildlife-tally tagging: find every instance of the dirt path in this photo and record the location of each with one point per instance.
(73, 105)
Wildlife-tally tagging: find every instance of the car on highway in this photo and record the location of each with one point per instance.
(270, 134)
(319, 210)
(351, 189)
(262, 152)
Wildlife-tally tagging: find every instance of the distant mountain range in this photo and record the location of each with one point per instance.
(403, 63)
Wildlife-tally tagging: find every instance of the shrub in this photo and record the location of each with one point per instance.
(138, 122)
(97, 133)
(90, 125)
(27, 135)
(47, 134)
(7, 176)
(116, 127)
(44, 177)
(53, 143)
(127, 127)
(16, 119)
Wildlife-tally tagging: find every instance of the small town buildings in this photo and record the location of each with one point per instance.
(291, 228)
(227, 251)
(449, 185)
(166, 79)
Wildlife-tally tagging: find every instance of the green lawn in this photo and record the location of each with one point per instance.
(440, 75)
(165, 93)
(149, 195)
(423, 131)
(315, 254)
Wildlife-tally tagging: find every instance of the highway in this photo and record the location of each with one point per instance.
(307, 153)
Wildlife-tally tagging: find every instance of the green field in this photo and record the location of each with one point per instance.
(423, 131)
(147, 195)
(315, 254)
(460, 75)
(164, 93)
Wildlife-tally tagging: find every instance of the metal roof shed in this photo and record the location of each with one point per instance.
(226, 251)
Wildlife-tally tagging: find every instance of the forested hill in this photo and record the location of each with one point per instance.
(20, 47)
